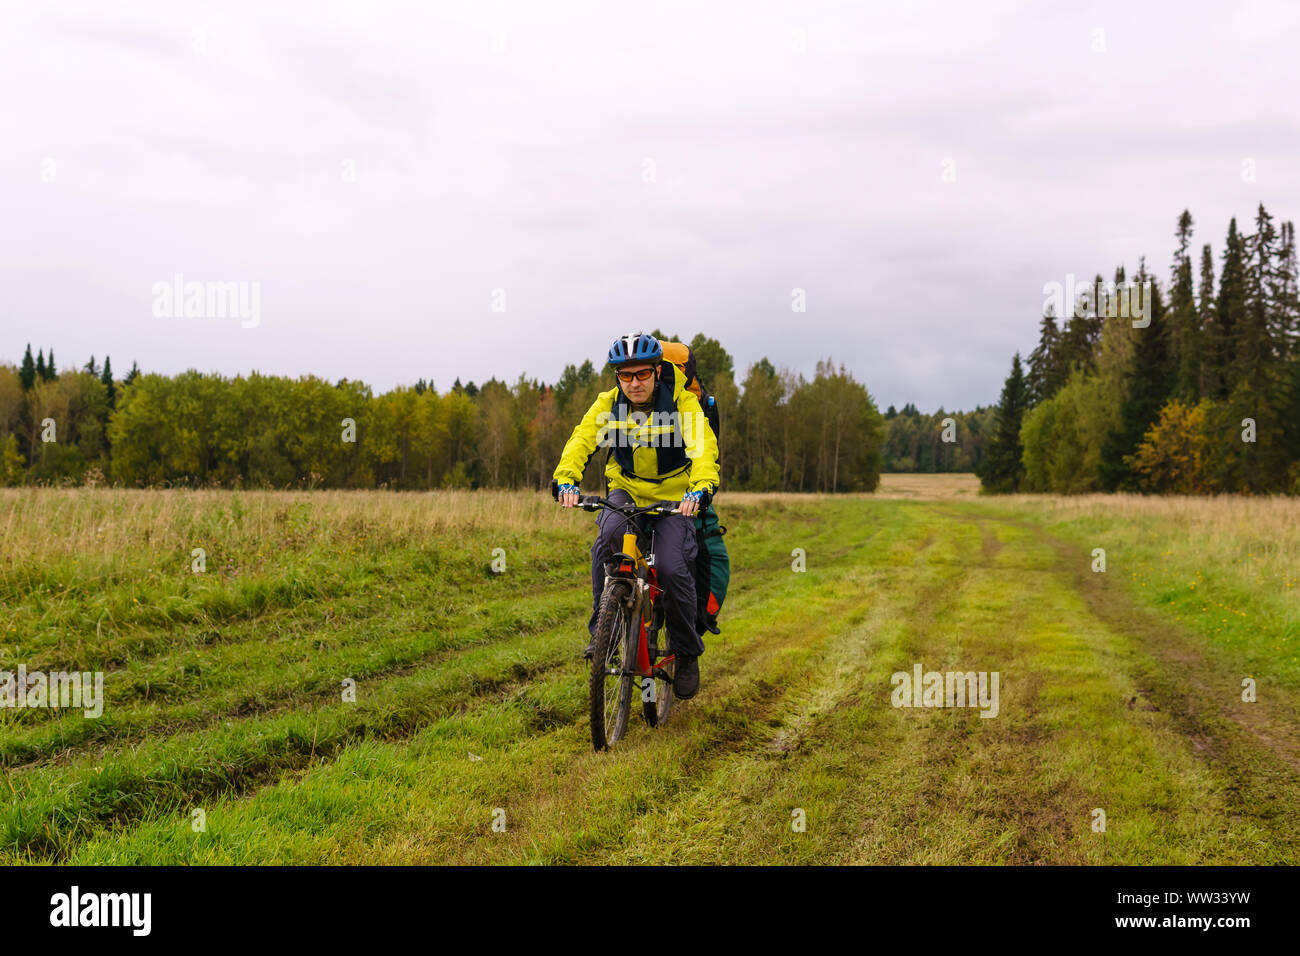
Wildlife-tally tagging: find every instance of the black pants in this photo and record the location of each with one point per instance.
(674, 549)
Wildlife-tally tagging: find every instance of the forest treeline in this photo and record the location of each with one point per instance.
(1203, 399)
(780, 431)
(938, 442)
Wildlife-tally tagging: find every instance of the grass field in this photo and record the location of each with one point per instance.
(1119, 691)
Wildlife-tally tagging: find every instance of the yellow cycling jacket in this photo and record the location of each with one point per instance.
(598, 429)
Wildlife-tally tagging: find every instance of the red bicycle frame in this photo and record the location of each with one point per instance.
(644, 666)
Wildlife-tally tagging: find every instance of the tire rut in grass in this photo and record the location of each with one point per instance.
(721, 728)
(167, 787)
(84, 736)
(1249, 747)
(1040, 817)
(1196, 689)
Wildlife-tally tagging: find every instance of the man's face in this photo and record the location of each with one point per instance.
(637, 391)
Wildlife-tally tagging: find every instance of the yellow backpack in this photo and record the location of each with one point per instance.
(683, 359)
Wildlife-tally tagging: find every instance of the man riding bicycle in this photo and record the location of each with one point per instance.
(662, 449)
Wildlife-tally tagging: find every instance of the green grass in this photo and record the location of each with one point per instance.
(1119, 691)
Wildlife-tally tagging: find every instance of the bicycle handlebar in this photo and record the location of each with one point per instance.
(595, 502)
(592, 502)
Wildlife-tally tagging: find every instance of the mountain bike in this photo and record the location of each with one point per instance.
(628, 627)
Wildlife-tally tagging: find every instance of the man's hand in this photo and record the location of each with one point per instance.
(690, 503)
(568, 496)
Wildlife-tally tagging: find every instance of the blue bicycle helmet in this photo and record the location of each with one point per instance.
(637, 347)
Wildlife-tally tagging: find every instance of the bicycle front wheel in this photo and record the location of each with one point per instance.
(611, 666)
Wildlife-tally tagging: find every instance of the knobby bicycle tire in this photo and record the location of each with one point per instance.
(611, 651)
(656, 712)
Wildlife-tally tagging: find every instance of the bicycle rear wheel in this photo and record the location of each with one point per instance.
(611, 693)
(656, 694)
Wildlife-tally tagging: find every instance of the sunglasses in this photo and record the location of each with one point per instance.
(640, 375)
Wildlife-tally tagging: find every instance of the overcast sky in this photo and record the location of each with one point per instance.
(379, 169)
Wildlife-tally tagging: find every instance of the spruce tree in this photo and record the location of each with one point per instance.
(107, 379)
(51, 369)
(1044, 377)
(1002, 470)
(1073, 349)
(92, 368)
(27, 373)
(1097, 320)
(1254, 353)
(1211, 334)
(132, 375)
(1185, 337)
(1232, 306)
(40, 366)
(1260, 377)
(1286, 296)
(1287, 310)
(1147, 389)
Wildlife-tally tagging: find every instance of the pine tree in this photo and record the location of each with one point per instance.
(27, 373)
(107, 379)
(51, 369)
(40, 367)
(1002, 470)
(132, 375)
(91, 367)
(1185, 337)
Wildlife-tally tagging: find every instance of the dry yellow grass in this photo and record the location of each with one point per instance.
(44, 524)
(956, 485)
(1264, 532)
